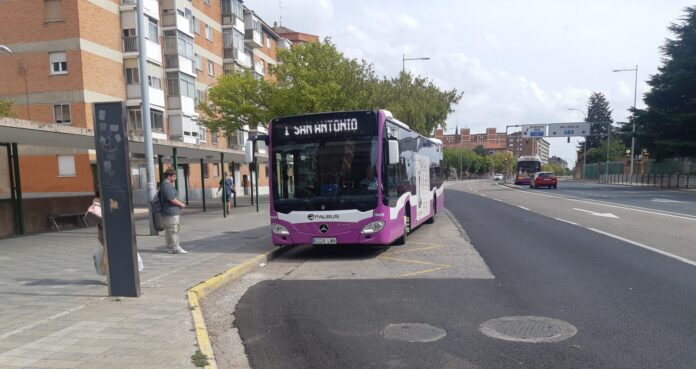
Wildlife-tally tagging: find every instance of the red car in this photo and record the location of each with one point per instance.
(544, 179)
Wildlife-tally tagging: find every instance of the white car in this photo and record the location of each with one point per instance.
(497, 177)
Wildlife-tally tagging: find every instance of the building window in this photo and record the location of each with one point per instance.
(152, 32)
(53, 10)
(132, 76)
(198, 62)
(206, 2)
(211, 68)
(196, 26)
(216, 170)
(213, 138)
(157, 120)
(135, 121)
(66, 166)
(202, 134)
(61, 113)
(208, 33)
(200, 96)
(206, 171)
(59, 63)
(154, 82)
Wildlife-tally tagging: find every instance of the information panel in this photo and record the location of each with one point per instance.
(534, 130)
(111, 140)
(569, 129)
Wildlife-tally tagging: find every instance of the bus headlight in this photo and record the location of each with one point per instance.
(279, 229)
(373, 227)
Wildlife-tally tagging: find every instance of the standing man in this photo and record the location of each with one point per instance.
(171, 212)
(228, 184)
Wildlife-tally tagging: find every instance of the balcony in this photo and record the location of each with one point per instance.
(184, 103)
(180, 63)
(151, 7)
(284, 43)
(156, 96)
(229, 19)
(130, 44)
(175, 19)
(243, 59)
(153, 52)
(183, 128)
(230, 53)
(252, 31)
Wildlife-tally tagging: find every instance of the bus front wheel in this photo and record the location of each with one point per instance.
(407, 228)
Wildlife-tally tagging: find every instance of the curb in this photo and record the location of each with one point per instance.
(203, 289)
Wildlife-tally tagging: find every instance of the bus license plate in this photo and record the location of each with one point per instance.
(324, 241)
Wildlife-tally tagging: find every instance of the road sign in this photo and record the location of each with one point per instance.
(534, 130)
(569, 129)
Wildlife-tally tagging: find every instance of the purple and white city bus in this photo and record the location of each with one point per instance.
(358, 177)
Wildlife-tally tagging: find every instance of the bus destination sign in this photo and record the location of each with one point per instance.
(325, 125)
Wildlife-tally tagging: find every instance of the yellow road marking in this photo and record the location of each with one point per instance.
(414, 261)
(425, 243)
(418, 249)
(424, 271)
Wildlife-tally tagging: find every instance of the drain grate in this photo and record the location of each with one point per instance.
(528, 329)
(413, 332)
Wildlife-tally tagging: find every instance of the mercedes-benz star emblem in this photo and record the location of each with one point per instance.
(323, 228)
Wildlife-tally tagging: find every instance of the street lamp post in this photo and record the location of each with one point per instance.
(635, 98)
(404, 59)
(24, 71)
(584, 150)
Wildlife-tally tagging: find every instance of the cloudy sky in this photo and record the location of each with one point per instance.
(516, 61)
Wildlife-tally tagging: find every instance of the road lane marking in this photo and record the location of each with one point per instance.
(567, 221)
(423, 271)
(413, 261)
(418, 249)
(522, 207)
(668, 200)
(638, 209)
(665, 253)
(605, 215)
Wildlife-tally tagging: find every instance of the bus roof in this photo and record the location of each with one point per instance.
(529, 158)
(435, 141)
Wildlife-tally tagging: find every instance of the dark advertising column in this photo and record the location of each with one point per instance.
(117, 199)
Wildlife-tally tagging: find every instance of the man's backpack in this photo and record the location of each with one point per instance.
(156, 211)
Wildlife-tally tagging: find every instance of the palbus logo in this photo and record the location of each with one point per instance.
(322, 216)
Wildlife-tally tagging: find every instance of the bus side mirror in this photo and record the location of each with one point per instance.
(249, 151)
(393, 152)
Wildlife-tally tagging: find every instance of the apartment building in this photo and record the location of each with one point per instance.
(558, 161)
(492, 140)
(63, 56)
(526, 146)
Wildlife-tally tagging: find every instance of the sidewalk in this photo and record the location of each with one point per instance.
(56, 310)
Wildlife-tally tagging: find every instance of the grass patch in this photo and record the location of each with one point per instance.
(199, 360)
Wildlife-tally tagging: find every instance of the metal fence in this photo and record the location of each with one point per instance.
(651, 180)
(593, 171)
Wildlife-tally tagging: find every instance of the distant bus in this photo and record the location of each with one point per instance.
(526, 167)
(359, 177)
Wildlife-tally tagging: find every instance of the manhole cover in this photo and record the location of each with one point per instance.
(528, 329)
(413, 332)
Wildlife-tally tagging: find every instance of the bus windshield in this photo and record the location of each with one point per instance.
(315, 170)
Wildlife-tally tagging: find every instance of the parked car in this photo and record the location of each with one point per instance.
(497, 177)
(544, 179)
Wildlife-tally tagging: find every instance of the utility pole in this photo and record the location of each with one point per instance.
(145, 111)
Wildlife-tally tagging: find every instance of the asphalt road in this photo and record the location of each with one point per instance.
(664, 200)
(632, 307)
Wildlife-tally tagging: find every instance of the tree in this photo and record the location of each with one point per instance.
(597, 111)
(315, 77)
(416, 101)
(238, 99)
(456, 158)
(504, 162)
(480, 151)
(6, 109)
(667, 127)
(599, 154)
